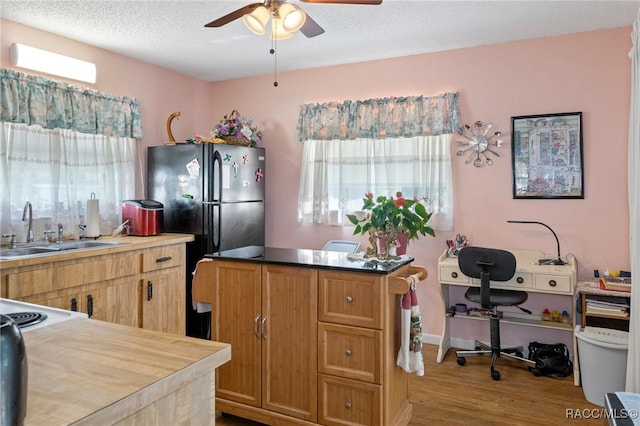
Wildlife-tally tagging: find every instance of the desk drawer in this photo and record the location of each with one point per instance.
(348, 402)
(519, 281)
(350, 352)
(452, 274)
(553, 283)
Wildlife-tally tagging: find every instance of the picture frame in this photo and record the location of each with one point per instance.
(546, 153)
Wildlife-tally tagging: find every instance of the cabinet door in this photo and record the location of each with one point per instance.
(290, 342)
(163, 301)
(114, 301)
(236, 319)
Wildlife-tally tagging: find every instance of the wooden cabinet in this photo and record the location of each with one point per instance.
(140, 287)
(268, 315)
(163, 298)
(309, 344)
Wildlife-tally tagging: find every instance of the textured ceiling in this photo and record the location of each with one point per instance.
(171, 34)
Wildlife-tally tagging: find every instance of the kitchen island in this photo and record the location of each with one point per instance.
(90, 372)
(315, 335)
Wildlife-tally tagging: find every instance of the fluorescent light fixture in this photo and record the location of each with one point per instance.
(24, 56)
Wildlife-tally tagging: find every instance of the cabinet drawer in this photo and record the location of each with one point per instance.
(162, 257)
(452, 274)
(351, 299)
(71, 274)
(350, 352)
(348, 402)
(553, 283)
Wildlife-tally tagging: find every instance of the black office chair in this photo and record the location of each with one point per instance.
(491, 265)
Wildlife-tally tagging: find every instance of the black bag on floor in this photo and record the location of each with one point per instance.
(552, 360)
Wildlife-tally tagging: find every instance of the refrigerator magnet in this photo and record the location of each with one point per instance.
(259, 175)
(227, 157)
(245, 159)
(193, 167)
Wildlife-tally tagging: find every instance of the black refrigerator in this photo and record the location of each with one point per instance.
(214, 191)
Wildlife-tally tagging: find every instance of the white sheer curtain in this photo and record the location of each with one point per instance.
(57, 171)
(633, 357)
(336, 174)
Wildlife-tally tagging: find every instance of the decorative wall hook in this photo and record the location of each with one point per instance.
(478, 144)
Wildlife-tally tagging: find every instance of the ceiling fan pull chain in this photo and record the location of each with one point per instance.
(274, 51)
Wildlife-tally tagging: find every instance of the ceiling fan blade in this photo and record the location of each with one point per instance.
(233, 15)
(373, 2)
(310, 28)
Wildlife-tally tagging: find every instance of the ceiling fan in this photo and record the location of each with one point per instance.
(286, 18)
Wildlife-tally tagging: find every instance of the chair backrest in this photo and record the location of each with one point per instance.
(488, 265)
(342, 245)
(500, 264)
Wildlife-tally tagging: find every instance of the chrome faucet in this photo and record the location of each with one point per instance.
(59, 233)
(29, 209)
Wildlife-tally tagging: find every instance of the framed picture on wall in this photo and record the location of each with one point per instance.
(546, 155)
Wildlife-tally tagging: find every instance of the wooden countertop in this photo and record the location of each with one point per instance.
(94, 372)
(132, 243)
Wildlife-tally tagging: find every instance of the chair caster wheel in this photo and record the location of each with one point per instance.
(495, 374)
(461, 360)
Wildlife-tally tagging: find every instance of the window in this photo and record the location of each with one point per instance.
(57, 171)
(336, 175)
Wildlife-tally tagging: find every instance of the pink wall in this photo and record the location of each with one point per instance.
(588, 72)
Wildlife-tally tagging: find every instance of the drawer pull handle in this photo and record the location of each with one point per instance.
(149, 290)
(552, 283)
(519, 280)
(454, 275)
(255, 326)
(164, 259)
(347, 405)
(347, 352)
(74, 304)
(349, 299)
(264, 327)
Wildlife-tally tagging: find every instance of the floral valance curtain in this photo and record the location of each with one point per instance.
(35, 100)
(379, 118)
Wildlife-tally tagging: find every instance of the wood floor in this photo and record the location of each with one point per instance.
(454, 395)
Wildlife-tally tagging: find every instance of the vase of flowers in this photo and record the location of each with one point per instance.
(386, 217)
(235, 129)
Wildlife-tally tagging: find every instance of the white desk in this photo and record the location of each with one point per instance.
(555, 280)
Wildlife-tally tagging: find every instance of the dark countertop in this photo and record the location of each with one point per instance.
(310, 258)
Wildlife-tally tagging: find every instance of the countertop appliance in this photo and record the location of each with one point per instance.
(214, 191)
(145, 217)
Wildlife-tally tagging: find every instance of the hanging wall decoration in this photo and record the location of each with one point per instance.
(477, 144)
(547, 156)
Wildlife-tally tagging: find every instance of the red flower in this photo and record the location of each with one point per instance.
(399, 202)
(369, 195)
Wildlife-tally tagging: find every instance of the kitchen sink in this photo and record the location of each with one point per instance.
(72, 245)
(55, 248)
(26, 251)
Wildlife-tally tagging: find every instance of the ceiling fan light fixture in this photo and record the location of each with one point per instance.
(277, 30)
(292, 17)
(257, 20)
